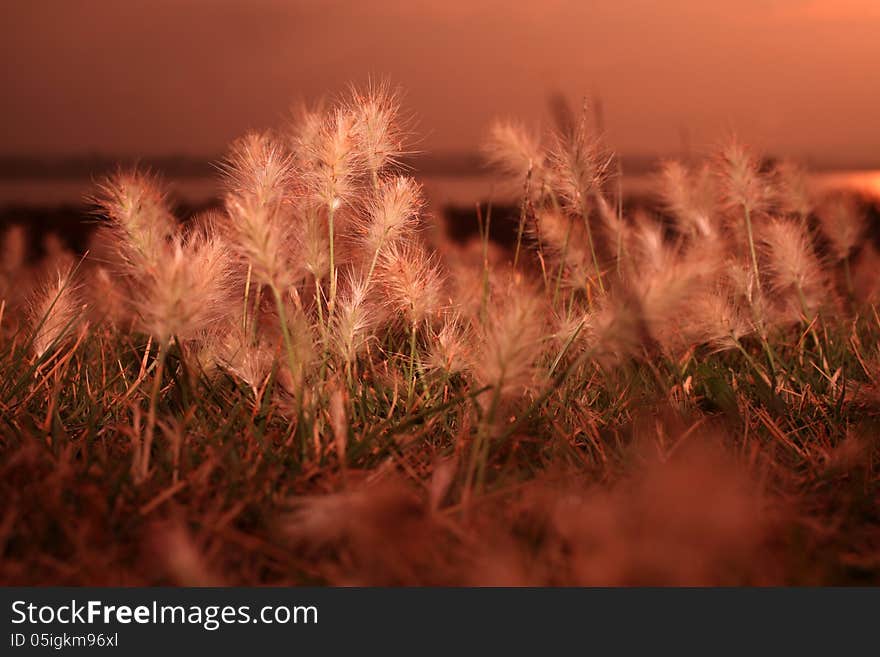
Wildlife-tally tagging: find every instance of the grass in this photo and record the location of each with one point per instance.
(621, 400)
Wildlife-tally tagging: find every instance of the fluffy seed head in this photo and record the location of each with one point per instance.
(648, 247)
(108, 300)
(246, 357)
(738, 277)
(410, 282)
(716, 320)
(315, 244)
(793, 190)
(259, 166)
(665, 302)
(563, 238)
(843, 224)
(392, 214)
(742, 183)
(690, 197)
(260, 176)
(189, 291)
(354, 320)
(449, 349)
(614, 226)
(508, 343)
(513, 150)
(305, 134)
(56, 312)
(376, 128)
(140, 221)
(579, 167)
(334, 162)
(792, 263)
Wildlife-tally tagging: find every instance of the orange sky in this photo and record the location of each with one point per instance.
(152, 77)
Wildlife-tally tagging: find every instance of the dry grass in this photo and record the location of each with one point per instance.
(305, 387)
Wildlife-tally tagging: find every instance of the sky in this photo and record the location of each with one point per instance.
(147, 78)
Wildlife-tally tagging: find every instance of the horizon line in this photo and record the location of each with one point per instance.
(449, 163)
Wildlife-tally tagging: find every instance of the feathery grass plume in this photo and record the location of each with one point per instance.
(315, 245)
(189, 290)
(449, 350)
(580, 168)
(260, 206)
(108, 300)
(334, 165)
(563, 238)
(648, 249)
(248, 358)
(508, 343)
(392, 214)
(579, 171)
(793, 194)
(568, 337)
(743, 185)
(690, 197)
(56, 312)
(792, 264)
(377, 127)
(305, 134)
(141, 222)
(616, 230)
(515, 152)
(566, 326)
(410, 283)
(355, 320)
(411, 287)
(553, 230)
(739, 278)
(716, 320)
(518, 155)
(505, 357)
(613, 331)
(843, 224)
(744, 189)
(332, 178)
(260, 178)
(664, 298)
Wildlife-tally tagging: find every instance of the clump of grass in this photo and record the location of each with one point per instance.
(278, 392)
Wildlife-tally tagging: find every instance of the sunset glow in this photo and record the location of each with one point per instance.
(370, 294)
(795, 77)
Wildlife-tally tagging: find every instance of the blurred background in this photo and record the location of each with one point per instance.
(170, 83)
